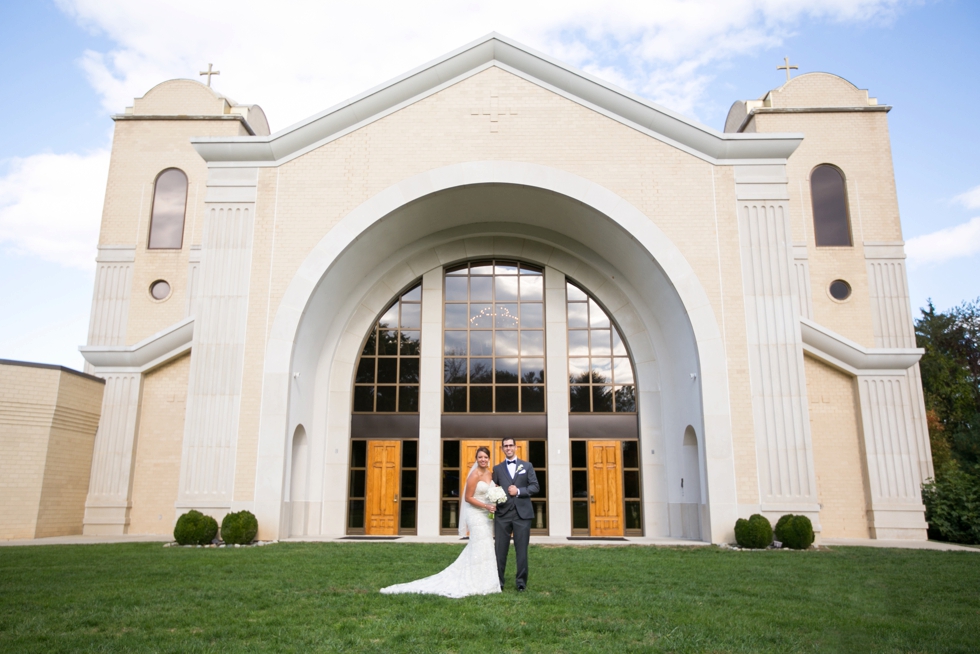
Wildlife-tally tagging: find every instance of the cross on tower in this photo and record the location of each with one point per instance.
(209, 73)
(787, 67)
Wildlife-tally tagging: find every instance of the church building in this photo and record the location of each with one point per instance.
(679, 326)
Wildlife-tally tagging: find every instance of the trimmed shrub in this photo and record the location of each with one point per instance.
(754, 533)
(239, 528)
(795, 531)
(953, 506)
(195, 528)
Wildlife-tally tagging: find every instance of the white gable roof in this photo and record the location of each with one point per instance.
(496, 50)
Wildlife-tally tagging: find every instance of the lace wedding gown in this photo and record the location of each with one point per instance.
(474, 572)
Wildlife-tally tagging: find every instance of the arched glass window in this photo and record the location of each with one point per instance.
(387, 378)
(600, 374)
(494, 338)
(169, 206)
(830, 224)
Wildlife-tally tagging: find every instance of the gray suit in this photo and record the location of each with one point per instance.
(514, 517)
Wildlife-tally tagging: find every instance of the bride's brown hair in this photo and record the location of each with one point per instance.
(482, 448)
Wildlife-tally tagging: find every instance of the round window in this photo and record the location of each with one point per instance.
(840, 290)
(160, 290)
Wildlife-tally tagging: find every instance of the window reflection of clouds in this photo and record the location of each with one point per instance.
(387, 372)
(504, 316)
(505, 344)
(169, 207)
(590, 332)
(481, 343)
(532, 316)
(578, 343)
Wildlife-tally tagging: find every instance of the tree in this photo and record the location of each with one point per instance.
(951, 383)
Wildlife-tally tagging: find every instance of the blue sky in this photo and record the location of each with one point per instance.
(68, 65)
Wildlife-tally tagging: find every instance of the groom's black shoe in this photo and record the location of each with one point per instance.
(521, 589)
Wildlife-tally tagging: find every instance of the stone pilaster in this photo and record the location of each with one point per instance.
(787, 482)
(193, 279)
(893, 459)
(110, 301)
(111, 481)
(215, 385)
(891, 315)
(801, 266)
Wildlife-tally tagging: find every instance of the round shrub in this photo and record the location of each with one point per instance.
(195, 528)
(239, 528)
(795, 531)
(754, 533)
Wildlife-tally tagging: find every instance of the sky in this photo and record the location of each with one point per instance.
(67, 66)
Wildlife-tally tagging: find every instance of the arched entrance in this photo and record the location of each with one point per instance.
(569, 227)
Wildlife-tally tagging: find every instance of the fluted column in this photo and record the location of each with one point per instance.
(207, 468)
(891, 317)
(110, 299)
(775, 348)
(890, 447)
(111, 481)
(801, 265)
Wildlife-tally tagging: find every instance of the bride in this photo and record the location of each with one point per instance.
(475, 571)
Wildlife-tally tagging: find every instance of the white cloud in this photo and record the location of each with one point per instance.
(970, 199)
(301, 56)
(51, 207)
(944, 245)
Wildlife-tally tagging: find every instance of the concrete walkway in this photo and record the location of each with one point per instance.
(553, 541)
(900, 544)
(85, 540)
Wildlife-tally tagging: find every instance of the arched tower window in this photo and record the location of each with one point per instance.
(831, 226)
(494, 338)
(387, 378)
(169, 207)
(600, 373)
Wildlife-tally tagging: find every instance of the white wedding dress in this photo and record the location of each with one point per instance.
(474, 572)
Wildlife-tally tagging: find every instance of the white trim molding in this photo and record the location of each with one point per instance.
(152, 352)
(851, 358)
(497, 50)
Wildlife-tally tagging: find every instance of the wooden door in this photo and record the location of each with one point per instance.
(605, 488)
(467, 456)
(383, 467)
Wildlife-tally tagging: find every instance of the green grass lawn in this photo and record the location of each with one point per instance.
(324, 597)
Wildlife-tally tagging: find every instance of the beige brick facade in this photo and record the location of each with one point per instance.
(837, 451)
(48, 419)
(157, 467)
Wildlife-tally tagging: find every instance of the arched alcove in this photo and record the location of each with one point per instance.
(564, 224)
(690, 504)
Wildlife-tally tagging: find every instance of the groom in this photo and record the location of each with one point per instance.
(513, 517)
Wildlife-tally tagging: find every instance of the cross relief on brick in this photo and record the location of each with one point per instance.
(494, 109)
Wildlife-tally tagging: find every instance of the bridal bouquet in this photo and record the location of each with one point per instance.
(496, 495)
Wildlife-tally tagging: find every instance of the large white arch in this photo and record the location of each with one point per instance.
(584, 202)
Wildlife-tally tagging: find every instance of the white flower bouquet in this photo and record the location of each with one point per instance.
(496, 495)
